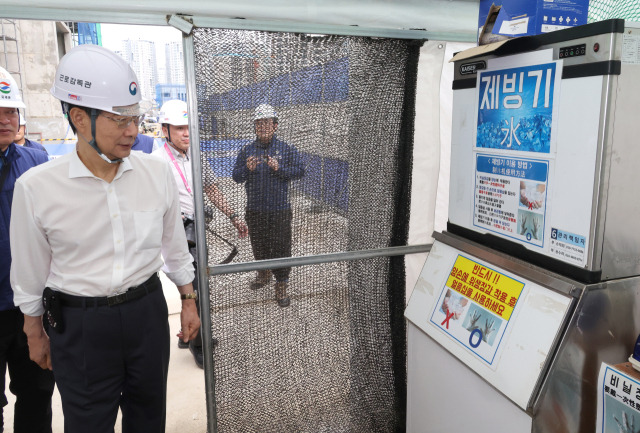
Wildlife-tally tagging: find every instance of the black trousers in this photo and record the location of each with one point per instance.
(31, 385)
(110, 357)
(270, 234)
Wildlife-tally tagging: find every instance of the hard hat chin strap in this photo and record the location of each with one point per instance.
(92, 143)
(171, 142)
(169, 136)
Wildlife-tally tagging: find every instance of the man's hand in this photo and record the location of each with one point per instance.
(240, 226)
(273, 163)
(189, 320)
(252, 163)
(38, 340)
(189, 315)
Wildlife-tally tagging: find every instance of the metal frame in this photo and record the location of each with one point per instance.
(159, 18)
(203, 280)
(602, 163)
(317, 259)
(205, 271)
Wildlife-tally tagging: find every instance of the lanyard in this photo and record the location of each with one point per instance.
(175, 164)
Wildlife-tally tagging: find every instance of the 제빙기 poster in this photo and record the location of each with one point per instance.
(515, 109)
(514, 148)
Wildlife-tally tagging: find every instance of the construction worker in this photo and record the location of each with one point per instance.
(24, 141)
(31, 385)
(94, 227)
(175, 127)
(266, 166)
(143, 143)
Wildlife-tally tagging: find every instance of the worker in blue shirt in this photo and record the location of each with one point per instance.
(24, 141)
(266, 167)
(31, 385)
(143, 143)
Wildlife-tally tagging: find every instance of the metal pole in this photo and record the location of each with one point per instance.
(317, 259)
(203, 279)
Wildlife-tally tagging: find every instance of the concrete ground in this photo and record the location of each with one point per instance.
(186, 401)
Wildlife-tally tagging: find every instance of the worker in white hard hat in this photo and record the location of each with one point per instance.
(95, 227)
(175, 127)
(31, 385)
(22, 140)
(266, 167)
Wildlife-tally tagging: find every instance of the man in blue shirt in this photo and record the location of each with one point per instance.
(31, 385)
(143, 143)
(22, 140)
(266, 167)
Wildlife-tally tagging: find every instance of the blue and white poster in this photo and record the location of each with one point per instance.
(515, 108)
(510, 197)
(618, 399)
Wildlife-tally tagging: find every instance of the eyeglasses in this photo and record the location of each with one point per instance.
(124, 122)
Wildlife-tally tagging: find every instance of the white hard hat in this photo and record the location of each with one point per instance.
(174, 112)
(95, 77)
(23, 119)
(9, 92)
(265, 111)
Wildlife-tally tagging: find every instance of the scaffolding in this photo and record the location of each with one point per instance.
(10, 54)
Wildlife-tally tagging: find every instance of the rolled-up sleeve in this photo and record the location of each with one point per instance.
(30, 253)
(178, 263)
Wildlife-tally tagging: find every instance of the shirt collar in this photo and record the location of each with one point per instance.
(10, 153)
(78, 169)
(175, 152)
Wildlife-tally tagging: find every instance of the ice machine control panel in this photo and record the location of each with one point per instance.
(572, 51)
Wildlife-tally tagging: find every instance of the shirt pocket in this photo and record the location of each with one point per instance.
(148, 226)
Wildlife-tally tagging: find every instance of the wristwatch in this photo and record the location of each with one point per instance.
(192, 295)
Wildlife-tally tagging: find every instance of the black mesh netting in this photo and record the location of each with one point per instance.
(333, 360)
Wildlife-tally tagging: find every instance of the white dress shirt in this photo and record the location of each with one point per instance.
(80, 235)
(184, 163)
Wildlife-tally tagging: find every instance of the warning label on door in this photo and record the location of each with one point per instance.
(475, 306)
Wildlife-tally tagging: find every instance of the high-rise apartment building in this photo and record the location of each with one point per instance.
(174, 63)
(141, 55)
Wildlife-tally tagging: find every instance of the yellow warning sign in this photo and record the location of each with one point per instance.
(492, 290)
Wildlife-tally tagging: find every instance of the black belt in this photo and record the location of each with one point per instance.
(131, 294)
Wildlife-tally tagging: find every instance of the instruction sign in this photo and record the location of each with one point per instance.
(510, 197)
(618, 399)
(475, 306)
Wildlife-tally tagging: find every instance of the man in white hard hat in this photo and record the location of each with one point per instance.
(175, 127)
(24, 141)
(31, 385)
(94, 227)
(266, 167)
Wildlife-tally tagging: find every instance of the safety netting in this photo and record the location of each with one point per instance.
(606, 9)
(334, 177)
